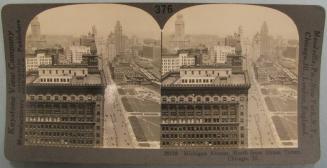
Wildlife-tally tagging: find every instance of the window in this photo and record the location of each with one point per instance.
(198, 99)
(215, 98)
(48, 97)
(56, 97)
(181, 99)
(173, 99)
(190, 99)
(224, 98)
(32, 97)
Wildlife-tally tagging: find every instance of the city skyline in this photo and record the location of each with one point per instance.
(222, 21)
(77, 20)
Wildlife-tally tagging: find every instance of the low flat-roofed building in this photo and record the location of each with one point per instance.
(33, 61)
(173, 62)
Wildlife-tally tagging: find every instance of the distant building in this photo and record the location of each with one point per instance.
(35, 39)
(204, 106)
(255, 47)
(43, 56)
(64, 107)
(173, 62)
(76, 53)
(151, 52)
(265, 40)
(179, 40)
(111, 47)
(221, 53)
(119, 41)
(92, 62)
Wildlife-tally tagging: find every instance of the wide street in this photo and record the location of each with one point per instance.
(261, 132)
(117, 131)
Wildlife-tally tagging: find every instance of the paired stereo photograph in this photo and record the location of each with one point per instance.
(153, 83)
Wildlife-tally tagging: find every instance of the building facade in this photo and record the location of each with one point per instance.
(64, 107)
(33, 61)
(173, 62)
(204, 106)
(179, 41)
(77, 52)
(221, 52)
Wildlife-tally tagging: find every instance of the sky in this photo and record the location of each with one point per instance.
(215, 19)
(78, 20)
(224, 19)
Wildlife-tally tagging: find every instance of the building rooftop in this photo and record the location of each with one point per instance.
(173, 79)
(89, 80)
(214, 66)
(64, 66)
(169, 56)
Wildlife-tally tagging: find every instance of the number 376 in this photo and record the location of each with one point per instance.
(162, 9)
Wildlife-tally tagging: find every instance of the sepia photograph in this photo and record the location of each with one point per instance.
(93, 78)
(229, 78)
(163, 83)
(225, 76)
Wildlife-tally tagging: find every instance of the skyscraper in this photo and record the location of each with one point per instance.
(35, 27)
(204, 106)
(179, 40)
(119, 37)
(179, 27)
(35, 39)
(264, 40)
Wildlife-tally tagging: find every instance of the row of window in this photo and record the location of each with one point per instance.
(174, 136)
(61, 127)
(196, 121)
(55, 80)
(206, 72)
(83, 71)
(63, 97)
(231, 114)
(201, 98)
(55, 109)
(68, 142)
(200, 143)
(61, 134)
(60, 119)
(206, 81)
(201, 107)
(59, 113)
(200, 128)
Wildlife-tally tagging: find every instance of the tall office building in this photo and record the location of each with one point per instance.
(64, 107)
(179, 41)
(204, 106)
(264, 40)
(119, 42)
(35, 39)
